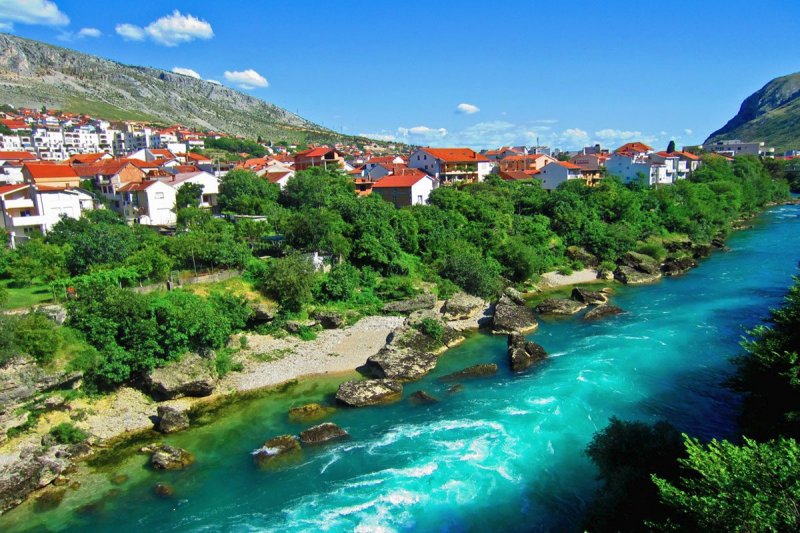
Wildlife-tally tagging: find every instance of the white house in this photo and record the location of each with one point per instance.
(412, 187)
(209, 183)
(451, 164)
(630, 167)
(736, 147)
(29, 210)
(554, 174)
(281, 177)
(149, 203)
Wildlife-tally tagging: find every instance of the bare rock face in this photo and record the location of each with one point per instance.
(263, 313)
(631, 276)
(369, 392)
(171, 419)
(603, 311)
(168, 457)
(309, 413)
(330, 319)
(641, 262)
(401, 364)
(421, 301)
(472, 372)
(509, 318)
(193, 375)
(276, 450)
(462, 306)
(323, 433)
(560, 306)
(588, 297)
(523, 354)
(30, 469)
(675, 267)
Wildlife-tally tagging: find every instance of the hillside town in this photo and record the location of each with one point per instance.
(55, 164)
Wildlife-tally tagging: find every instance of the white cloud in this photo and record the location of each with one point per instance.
(663, 134)
(215, 82)
(467, 109)
(172, 30)
(6, 26)
(31, 12)
(545, 121)
(89, 32)
(575, 134)
(610, 134)
(186, 72)
(246, 79)
(129, 32)
(688, 131)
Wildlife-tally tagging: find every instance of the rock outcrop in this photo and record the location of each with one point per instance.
(422, 398)
(641, 262)
(323, 433)
(30, 469)
(329, 319)
(193, 375)
(168, 457)
(675, 267)
(369, 392)
(263, 313)
(576, 253)
(171, 419)
(560, 306)
(588, 297)
(510, 317)
(462, 306)
(276, 450)
(631, 276)
(523, 354)
(472, 372)
(603, 311)
(309, 413)
(403, 364)
(421, 301)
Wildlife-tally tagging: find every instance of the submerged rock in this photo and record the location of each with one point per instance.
(276, 450)
(171, 419)
(674, 267)
(119, 479)
(632, 276)
(369, 392)
(168, 457)
(309, 413)
(560, 306)
(422, 398)
(603, 311)
(421, 301)
(511, 318)
(164, 490)
(193, 375)
(323, 433)
(523, 354)
(588, 297)
(49, 500)
(402, 364)
(455, 389)
(472, 372)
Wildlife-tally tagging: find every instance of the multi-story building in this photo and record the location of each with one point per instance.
(558, 172)
(451, 164)
(329, 158)
(736, 147)
(525, 163)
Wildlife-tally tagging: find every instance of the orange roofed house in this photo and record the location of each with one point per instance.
(451, 164)
(328, 158)
(410, 187)
(50, 174)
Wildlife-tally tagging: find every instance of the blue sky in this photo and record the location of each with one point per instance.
(570, 72)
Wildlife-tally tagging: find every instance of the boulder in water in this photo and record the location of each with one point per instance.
(49, 500)
(168, 457)
(422, 398)
(309, 413)
(603, 311)
(401, 364)
(369, 392)
(276, 450)
(674, 267)
(632, 276)
(171, 419)
(560, 306)
(588, 297)
(472, 372)
(164, 490)
(523, 354)
(510, 318)
(323, 433)
(641, 262)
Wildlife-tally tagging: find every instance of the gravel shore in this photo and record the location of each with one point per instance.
(552, 280)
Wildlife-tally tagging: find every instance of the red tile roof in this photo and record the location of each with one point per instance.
(567, 164)
(634, 147)
(136, 186)
(14, 124)
(50, 170)
(687, 155)
(275, 177)
(455, 155)
(18, 156)
(197, 157)
(314, 152)
(87, 158)
(408, 178)
(5, 189)
(514, 175)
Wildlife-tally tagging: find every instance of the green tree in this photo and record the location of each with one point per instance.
(749, 488)
(671, 147)
(37, 335)
(244, 193)
(290, 281)
(189, 195)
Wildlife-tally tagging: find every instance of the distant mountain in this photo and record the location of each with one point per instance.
(35, 74)
(771, 114)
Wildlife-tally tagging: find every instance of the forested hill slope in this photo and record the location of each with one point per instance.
(35, 74)
(771, 114)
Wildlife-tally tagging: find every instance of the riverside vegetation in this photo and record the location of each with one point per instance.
(478, 238)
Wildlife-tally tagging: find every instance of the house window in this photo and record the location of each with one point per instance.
(159, 196)
(116, 204)
(419, 199)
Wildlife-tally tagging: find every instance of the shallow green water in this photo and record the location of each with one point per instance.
(503, 454)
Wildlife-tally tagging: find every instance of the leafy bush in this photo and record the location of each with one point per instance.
(396, 288)
(66, 433)
(653, 249)
(341, 282)
(472, 272)
(566, 270)
(432, 328)
(607, 266)
(290, 281)
(38, 336)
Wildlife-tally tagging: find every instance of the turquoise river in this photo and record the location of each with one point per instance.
(503, 454)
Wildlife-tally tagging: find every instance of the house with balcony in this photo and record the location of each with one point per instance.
(631, 167)
(501, 153)
(556, 173)
(149, 203)
(109, 176)
(11, 166)
(27, 210)
(412, 187)
(328, 158)
(209, 183)
(448, 165)
(525, 163)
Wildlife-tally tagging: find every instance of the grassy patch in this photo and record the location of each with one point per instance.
(272, 355)
(237, 286)
(98, 109)
(25, 297)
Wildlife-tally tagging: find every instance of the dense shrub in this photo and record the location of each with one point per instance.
(66, 433)
(36, 335)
